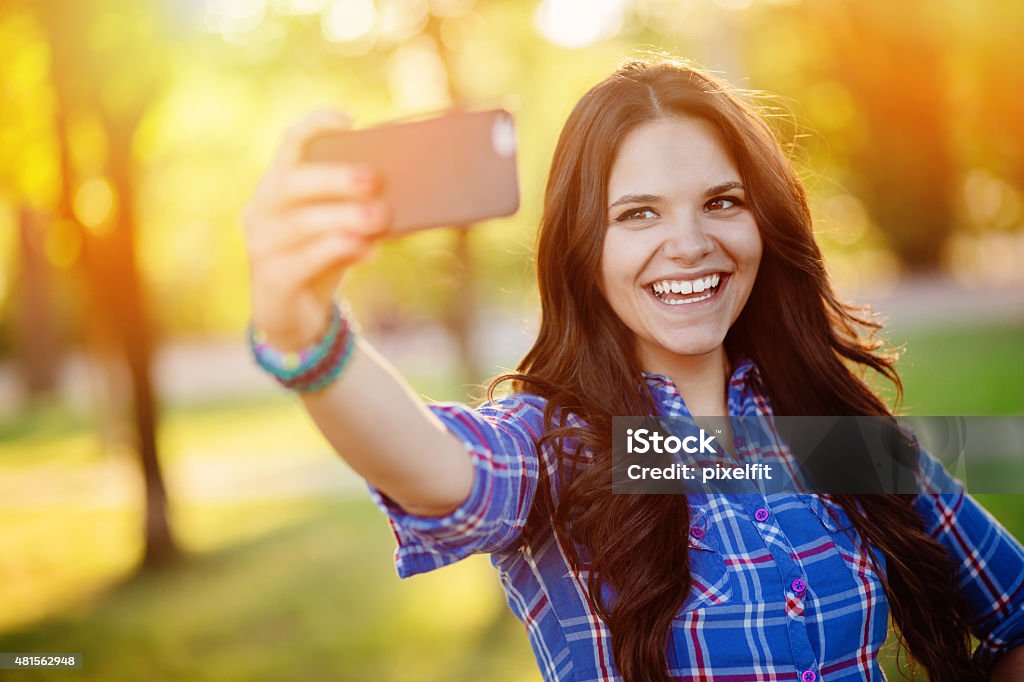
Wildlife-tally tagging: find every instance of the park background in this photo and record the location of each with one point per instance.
(169, 513)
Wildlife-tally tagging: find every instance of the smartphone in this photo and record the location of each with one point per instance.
(454, 169)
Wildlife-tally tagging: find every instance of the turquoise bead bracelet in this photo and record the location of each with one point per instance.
(287, 365)
(312, 368)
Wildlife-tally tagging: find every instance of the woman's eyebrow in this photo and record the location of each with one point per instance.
(636, 199)
(655, 198)
(723, 187)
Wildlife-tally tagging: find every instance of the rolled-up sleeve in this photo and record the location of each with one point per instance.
(990, 560)
(500, 438)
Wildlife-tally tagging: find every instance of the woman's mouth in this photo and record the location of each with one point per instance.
(678, 292)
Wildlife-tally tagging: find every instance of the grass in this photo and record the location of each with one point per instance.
(977, 371)
(317, 600)
(305, 588)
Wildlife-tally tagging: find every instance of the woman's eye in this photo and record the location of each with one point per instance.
(723, 203)
(645, 213)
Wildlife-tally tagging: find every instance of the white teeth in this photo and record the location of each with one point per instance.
(687, 287)
(697, 299)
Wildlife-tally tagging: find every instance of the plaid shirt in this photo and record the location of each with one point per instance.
(782, 589)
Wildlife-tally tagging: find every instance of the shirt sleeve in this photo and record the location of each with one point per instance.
(501, 440)
(990, 560)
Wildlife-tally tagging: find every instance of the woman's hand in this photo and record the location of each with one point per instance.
(305, 226)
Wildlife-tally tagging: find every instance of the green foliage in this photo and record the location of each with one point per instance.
(216, 90)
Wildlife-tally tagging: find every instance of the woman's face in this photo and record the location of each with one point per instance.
(682, 249)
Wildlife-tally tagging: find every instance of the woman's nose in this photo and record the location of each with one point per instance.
(687, 241)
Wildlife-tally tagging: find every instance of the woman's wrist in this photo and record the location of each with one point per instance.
(313, 366)
(303, 327)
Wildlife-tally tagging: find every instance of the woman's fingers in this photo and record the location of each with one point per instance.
(319, 122)
(312, 182)
(308, 224)
(292, 290)
(317, 259)
(290, 157)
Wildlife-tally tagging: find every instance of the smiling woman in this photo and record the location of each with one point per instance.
(682, 248)
(679, 276)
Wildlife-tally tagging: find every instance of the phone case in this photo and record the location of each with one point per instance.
(452, 170)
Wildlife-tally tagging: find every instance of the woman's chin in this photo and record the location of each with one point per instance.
(694, 346)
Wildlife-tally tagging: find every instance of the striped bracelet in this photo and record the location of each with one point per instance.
(310, 369)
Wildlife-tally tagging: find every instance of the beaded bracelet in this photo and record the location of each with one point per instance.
(312, 368)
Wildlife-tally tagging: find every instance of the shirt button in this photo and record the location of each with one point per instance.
(809, 676)
(697, 532)
(799, 586)
(761, 515)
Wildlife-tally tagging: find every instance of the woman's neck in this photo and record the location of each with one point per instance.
(700, 379)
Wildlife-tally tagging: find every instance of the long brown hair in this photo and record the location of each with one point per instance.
(583, 362)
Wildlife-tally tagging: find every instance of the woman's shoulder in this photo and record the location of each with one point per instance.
(514, 410)
(515, 404)
(525, 413)
(531, 408)
(523, 409)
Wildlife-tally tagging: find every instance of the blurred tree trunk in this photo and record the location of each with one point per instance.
(117, 301)
(892, 61)
(124, 289)
(460, 316)
(37, 345)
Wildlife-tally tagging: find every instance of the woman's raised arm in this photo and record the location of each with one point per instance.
(305, 226)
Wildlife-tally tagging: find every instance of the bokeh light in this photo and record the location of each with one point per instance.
(229, 17)
(578, 23)
(94, 205)
(346, 21)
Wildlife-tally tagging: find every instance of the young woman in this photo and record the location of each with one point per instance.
(678, 275)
